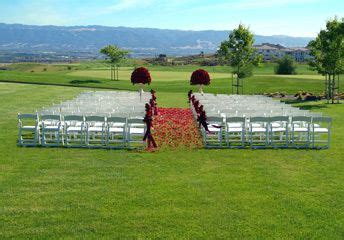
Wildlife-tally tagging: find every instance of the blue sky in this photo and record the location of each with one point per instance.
(265, 17)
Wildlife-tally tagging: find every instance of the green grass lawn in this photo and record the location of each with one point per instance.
(199, 194)
(165, 79)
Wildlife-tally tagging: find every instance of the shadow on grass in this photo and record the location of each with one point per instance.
(313, 107)
(306, 105)
(84, 81)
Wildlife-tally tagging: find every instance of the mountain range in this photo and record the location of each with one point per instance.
(141, 41)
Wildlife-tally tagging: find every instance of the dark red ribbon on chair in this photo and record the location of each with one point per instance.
(149, 123)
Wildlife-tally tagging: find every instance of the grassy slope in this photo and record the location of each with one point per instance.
(80, 193)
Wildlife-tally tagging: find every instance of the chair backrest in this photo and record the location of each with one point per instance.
(259, 119)
(301, 119)
(51, 117)
(213, 119)
(279, 119)
(27, 116)
(135, 120)
(74, 118)
(94, 119)
(322, 119)
(117, 119)
(235, 120)
(28, 119)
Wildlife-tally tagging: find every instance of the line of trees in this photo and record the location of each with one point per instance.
(327, 51)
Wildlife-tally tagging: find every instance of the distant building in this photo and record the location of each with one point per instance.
(275, 51)
(162, 58)
(299, 54)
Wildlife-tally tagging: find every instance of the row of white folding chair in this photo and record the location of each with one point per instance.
(107, 128)
(279, 131)
(56, 130)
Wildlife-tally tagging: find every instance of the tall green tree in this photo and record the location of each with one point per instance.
(328, 52)
(115, 55)
(238, 51)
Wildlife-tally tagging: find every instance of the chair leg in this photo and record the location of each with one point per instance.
(243, 138)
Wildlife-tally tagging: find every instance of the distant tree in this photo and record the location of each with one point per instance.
(115, 55)
(328, 52)
(238, 51)
(286, 65)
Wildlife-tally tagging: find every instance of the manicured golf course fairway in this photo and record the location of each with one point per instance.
(169, 194)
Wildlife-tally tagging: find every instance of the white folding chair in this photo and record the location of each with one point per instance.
(74, 130)
(52, 130)
(258, 132)
(321, 127)
(279, 131)
(213, 138)
(28, 130)
(95, 131)
(116, 132)
(135, 132)
(235, 131)
(300, 131)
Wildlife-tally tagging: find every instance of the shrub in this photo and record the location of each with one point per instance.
(286, 65)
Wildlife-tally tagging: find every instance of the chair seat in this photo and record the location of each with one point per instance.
(95, 129)
(28, 127)
(117, 124)
(71, 123)
(74, 129)
(275, 125)
(116, 130)
(52, 128)
(136, 130)
(234, 125)
(47, 122)
(278, 129)
(135, 125)
(320, 130)
(98, 124)
(300, 129)
(258, 129)
(214, 129)
(234, 129)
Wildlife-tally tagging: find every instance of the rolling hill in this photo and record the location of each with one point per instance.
(141, 41)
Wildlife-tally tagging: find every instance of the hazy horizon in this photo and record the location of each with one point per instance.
(298, 18)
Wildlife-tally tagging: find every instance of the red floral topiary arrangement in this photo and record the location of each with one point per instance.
(200, 77)
(141, 75)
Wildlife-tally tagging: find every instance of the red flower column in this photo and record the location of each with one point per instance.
(141, 76)
(200, 77)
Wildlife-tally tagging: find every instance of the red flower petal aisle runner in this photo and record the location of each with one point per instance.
(176, 128)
